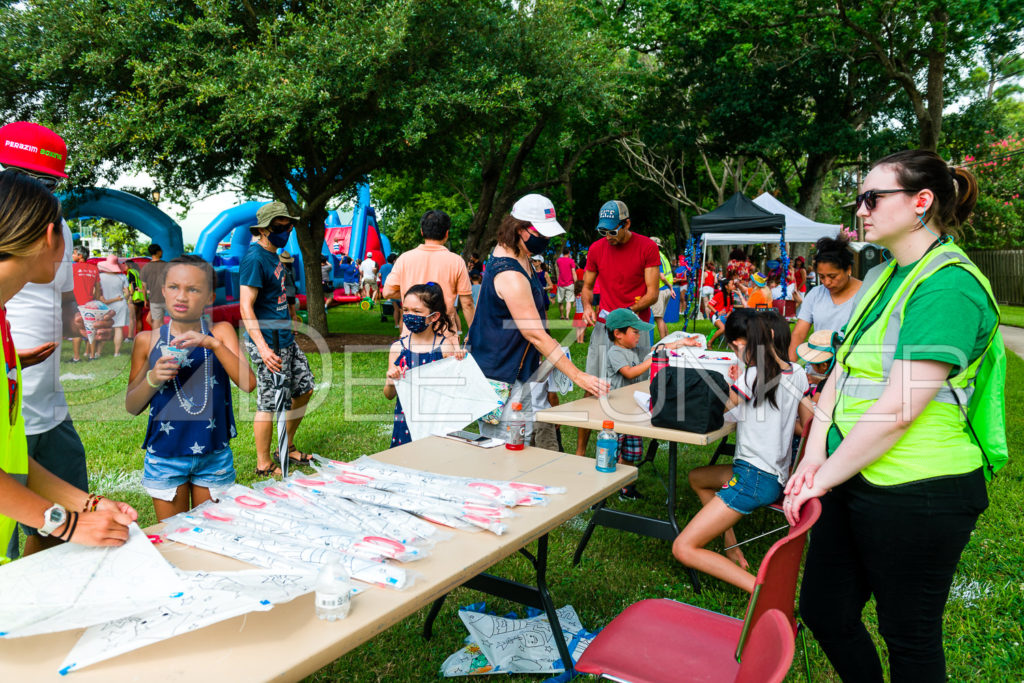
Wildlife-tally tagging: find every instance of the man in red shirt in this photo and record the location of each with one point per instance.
(86, 279)
(566, 270)
(626, 266)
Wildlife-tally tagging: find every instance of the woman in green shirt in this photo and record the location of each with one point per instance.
(900, 479)
(31, 248)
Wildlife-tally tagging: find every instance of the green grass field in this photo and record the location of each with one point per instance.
(1011, 315)
(984, 627)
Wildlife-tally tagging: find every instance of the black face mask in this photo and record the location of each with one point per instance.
(536, 244)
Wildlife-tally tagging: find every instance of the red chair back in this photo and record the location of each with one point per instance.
(769, 652)
(775, 586)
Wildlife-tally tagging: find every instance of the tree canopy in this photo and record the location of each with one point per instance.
(464, 106)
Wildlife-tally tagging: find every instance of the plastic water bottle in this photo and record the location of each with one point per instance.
(607, 447)
(516, 440)
(659, 360)
(333, 592)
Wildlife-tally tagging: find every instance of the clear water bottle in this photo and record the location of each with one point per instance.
(333, 592)
(516, 440)
(607, 447)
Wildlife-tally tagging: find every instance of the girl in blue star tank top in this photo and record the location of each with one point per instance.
(425, 315)
(182, 372)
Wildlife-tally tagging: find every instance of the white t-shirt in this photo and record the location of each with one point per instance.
(35, 317)
(764, 433)
(112, 285)
(368, 268)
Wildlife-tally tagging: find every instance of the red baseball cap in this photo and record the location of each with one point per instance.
(33, 147)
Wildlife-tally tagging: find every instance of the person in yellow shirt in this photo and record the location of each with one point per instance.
(31, 249)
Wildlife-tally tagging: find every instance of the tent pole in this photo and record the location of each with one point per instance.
(700, 282)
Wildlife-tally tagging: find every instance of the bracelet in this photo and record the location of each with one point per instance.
(92, 502)
(69, 527)
(150, 383)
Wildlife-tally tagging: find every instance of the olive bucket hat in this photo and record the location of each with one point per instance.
(268, 212)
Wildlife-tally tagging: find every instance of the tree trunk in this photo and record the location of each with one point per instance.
(311, 240)
(490, 178)
(809, 193)
(931, 126)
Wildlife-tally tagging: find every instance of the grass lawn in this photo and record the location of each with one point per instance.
(984, 628)
(1011, 315)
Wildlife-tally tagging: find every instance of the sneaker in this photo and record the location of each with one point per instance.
(630, 493)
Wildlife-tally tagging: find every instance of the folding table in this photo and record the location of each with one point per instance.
(289, 642)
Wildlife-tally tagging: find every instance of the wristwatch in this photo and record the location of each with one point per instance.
(53, 518)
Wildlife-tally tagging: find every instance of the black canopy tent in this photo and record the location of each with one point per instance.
(738, 214)
(738, 221)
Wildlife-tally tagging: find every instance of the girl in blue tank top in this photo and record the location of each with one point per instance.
(182, 372)
(429, 339)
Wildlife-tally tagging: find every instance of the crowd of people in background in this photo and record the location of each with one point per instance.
(890, 465)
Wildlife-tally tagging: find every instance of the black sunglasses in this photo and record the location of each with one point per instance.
(49, 182)
(870, 198)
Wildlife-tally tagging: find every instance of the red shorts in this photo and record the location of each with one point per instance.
(577, 320)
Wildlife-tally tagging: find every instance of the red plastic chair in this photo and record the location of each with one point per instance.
(769, 653)
(663, 640)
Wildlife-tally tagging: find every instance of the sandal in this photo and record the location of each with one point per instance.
(304, 459)
(273, 471)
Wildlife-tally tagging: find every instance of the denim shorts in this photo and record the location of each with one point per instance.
(161, 475)
(749, 488)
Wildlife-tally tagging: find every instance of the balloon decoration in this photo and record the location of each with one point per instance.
(693, 264)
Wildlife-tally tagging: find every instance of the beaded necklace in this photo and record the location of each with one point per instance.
(186, 402)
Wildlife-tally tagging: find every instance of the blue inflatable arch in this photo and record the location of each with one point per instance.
(96, 202)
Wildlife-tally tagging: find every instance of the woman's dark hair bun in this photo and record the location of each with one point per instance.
(835, 250)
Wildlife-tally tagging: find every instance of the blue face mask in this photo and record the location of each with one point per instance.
(279, 239)
(415, 323)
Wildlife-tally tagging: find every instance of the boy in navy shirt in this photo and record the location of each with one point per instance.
(269, 340)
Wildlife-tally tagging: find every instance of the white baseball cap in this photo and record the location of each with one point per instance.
(538, 211)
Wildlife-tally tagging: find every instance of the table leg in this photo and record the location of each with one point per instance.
(673, 470)
(724, 448)
(588, 532)
(435, 609)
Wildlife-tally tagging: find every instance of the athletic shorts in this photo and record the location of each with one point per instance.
(295, 367)
(60, 451)
(658, 307)
(161, 476)
(157, 312)
(749, 488)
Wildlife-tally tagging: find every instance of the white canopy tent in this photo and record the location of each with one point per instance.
(799, 228)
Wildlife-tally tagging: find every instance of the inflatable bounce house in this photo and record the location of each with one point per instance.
(354, 236)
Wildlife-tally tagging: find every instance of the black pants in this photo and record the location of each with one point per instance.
(902, 545)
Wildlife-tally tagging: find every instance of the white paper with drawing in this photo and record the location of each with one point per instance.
(208, 598)
(72, 586)
(444, 396)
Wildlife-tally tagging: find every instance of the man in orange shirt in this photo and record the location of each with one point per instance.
(433, 262)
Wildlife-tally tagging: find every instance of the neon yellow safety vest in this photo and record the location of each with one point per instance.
(13, 455)
(937, 443)
(666, 270)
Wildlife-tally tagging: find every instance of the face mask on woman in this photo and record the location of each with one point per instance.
(416, 323)
(536, 244)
